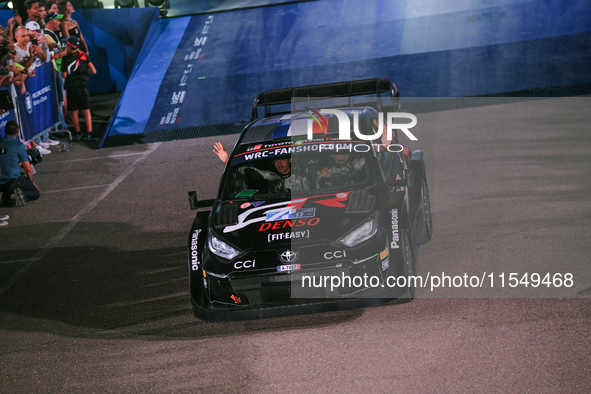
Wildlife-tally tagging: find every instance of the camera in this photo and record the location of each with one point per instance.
(34, 41)
(4, 71)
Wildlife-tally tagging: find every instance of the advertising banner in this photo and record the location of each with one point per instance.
(38, 107)
(4, 118)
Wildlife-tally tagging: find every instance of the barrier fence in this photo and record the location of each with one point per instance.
(36, 111)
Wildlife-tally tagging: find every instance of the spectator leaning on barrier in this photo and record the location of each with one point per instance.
(11, 180)
(17, 73)
(53, 35)
(37, 37)
(31, 56)
(26, 51)
(75, 69)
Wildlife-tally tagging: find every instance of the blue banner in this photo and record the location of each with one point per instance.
(4, 118)
(38, 107)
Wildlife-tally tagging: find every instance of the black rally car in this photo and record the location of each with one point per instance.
(293, 210)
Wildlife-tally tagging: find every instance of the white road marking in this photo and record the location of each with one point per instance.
(94, 158)
(55, 240)
(76, 188)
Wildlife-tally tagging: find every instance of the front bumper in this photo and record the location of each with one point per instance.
(266, 292)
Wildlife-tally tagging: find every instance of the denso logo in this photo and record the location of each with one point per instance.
(289, 223)
(244, 264)
(339, 254)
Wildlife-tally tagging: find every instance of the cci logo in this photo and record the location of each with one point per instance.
(335, 255)
(244, 264)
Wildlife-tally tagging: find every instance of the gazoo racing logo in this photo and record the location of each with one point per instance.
(345, 124)
(313, 127)
(395, 235)
(194, 251)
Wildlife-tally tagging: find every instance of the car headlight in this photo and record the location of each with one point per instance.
(221, 248)
(361, 233)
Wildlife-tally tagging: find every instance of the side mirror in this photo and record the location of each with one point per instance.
(196, 204)
(193, 202)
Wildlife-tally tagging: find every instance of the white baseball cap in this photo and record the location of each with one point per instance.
(32, 25)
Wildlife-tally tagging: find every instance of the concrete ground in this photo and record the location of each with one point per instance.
(94, 286)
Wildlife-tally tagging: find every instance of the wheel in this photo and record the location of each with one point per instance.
(428, 229)
(410, 268)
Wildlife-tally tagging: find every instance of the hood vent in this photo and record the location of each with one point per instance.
(360, 202)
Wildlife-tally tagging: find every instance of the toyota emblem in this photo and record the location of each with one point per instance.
(288, 256)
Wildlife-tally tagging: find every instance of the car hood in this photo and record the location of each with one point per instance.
(313, 219)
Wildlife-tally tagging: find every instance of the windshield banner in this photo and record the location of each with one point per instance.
(258, 152)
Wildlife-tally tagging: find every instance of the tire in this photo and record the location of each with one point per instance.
(428, 229)
(410, 268)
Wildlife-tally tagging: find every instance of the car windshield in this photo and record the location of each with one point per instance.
(298, 168)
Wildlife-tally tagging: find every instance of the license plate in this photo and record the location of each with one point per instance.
(289, 267)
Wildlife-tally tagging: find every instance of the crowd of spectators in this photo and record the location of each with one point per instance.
(47, 34)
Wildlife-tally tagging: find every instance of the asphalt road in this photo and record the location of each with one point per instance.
(94, 285)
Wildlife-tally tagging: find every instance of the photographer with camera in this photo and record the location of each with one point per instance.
(37, 38)
(11, 180)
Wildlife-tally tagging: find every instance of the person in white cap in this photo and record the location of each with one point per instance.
(37, 37)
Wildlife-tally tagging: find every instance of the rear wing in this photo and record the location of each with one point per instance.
(382, 95)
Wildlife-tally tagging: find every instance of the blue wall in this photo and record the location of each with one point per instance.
(429, 48)
(115, 38)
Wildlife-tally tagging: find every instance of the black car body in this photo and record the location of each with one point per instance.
(266, 232)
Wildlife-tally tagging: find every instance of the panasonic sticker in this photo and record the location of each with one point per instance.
(194, 251)
(395, 235)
